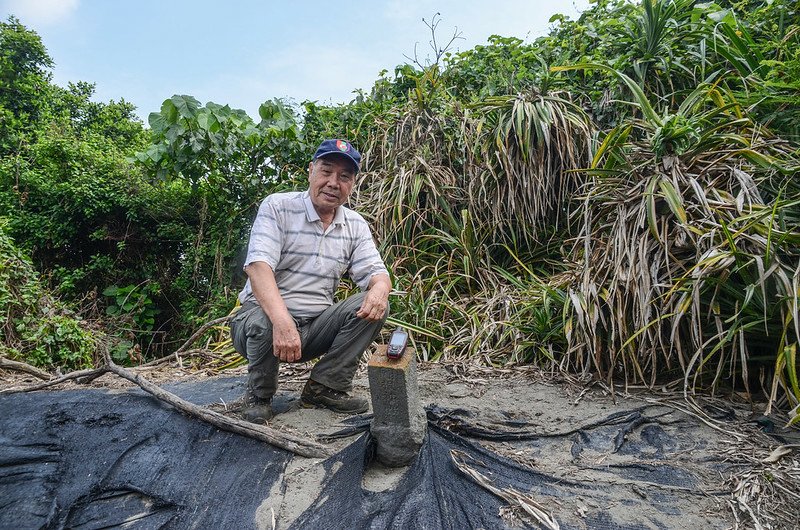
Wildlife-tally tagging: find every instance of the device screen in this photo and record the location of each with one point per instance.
(398, 339)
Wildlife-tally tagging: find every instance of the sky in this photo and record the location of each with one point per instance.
(244, 52)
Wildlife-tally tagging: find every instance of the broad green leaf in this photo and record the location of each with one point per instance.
(174, 132)
(186, 106)
(207, 121)
(202, 120)
(723, 15)
(169, 112)
(157, 122)
(218, 109)
(155, 153)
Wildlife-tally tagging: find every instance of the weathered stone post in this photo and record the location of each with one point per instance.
(399, 422)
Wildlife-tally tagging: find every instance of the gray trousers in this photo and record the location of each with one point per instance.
(337, 333)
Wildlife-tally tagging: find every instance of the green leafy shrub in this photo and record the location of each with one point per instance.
(133, 301)
(56, 340)
(34, 326)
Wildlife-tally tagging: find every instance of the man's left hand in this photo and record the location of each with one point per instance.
(373, 308)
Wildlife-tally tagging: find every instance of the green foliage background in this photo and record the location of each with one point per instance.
(616, 198)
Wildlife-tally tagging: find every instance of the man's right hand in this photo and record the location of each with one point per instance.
(286, 341)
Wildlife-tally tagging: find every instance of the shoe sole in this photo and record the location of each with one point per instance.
(256, 418)
(312, 405)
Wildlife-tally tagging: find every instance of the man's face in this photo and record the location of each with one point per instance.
(330, 181)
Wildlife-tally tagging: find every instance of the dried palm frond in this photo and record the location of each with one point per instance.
(527, 148)
(765, 489)
(413, 187)
(682, 267)
(521, 501)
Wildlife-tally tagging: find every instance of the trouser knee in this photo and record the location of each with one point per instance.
(251, 334)
(353, 304)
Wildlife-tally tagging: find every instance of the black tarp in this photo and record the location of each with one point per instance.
(93, 459)
(435, 494)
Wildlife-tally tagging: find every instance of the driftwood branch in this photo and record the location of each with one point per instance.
(283, 440)
(92, 374)
(287, 441)
(17, 366)
(177, 353)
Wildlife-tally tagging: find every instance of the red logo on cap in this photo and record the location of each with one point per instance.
(342, 145)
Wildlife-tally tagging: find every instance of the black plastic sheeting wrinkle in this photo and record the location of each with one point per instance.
(434, 494)
(91, 459)
(424, 498)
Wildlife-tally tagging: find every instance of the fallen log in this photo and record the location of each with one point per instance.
(284, 440)
(8, 364)
(290, 442)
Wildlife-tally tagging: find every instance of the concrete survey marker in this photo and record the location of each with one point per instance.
(399, 421)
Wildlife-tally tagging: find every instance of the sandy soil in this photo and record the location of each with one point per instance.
(671, 469)
(695, 447)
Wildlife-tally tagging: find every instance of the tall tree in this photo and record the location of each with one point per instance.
(24, 82)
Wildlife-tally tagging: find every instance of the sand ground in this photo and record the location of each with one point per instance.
(674, 465)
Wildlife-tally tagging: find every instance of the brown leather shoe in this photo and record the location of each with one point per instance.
(318, 395)
(256, 410)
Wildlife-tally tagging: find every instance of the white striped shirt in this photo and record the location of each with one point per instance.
(308, 262)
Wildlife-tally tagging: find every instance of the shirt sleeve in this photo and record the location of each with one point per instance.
(365, 262)
(266, 237)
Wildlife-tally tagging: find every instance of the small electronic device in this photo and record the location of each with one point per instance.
(397, 344)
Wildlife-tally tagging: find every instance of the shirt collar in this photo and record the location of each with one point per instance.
(313, 216)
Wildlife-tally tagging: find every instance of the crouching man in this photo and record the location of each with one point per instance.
(301, 244)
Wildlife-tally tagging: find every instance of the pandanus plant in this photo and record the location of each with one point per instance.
(528, 147)
(687, 260)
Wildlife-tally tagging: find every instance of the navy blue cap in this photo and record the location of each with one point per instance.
(339, 147)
